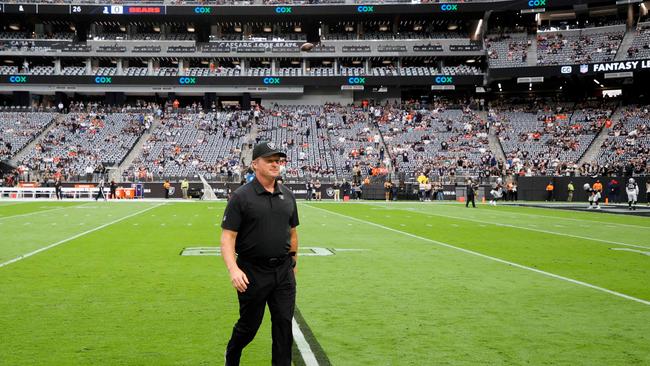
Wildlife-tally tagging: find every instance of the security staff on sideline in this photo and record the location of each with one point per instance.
(471, 193)
(259, 224)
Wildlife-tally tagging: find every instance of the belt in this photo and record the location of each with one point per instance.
(266, 261)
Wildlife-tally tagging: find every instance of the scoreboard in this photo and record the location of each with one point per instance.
(283, 10)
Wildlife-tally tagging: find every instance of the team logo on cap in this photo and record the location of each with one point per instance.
(271, 145)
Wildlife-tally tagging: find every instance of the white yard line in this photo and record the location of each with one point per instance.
(567, 279)
(34, 213)
(303, 346)
(529, 229)
(567, 218)
(75, 237)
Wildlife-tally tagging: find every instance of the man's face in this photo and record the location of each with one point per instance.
(269, 166)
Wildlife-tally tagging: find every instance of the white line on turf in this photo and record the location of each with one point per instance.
(75, 236)
(613, 224)
(521, 266)
(33, 213)
(531, 229)
(305, 351)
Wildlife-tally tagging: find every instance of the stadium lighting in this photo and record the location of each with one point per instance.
(297, 29)
(499, 85)
(190, 28)
(14, 27)
(597, 82)
(478, 28)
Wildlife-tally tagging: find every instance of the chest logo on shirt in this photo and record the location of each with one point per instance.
(281, 196)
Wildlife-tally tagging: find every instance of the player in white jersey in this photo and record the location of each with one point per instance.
(632, 190)
(594, 196)
(496, 192)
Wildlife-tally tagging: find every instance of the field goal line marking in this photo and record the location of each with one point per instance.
(517, 227)
(521, 266)
(76, 236)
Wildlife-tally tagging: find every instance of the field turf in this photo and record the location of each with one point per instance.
(103, 283)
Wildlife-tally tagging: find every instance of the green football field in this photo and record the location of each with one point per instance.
(104, 283)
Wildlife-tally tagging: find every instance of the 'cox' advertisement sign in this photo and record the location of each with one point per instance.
(444, 80)
(365, 9)
(103, 80)
(284, 10)
(356, 81)
(271, 81)
(536, 3)
(203, 10)
(449, 7)
(18, 79)
(187, 81)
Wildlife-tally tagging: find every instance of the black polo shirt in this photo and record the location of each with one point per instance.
(262, 220)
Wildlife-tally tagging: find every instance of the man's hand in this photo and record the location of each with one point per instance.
(239, 279)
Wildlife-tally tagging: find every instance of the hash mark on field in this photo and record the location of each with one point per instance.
(559, 225)
(163, 224)
(402, 225)
(189, 224)
(429, 225)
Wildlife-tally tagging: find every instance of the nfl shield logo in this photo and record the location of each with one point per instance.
(584, 69)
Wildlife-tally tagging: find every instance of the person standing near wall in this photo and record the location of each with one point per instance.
(570, 189)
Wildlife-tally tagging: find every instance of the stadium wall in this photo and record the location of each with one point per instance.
(534, 188)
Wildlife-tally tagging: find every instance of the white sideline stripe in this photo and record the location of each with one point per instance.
(33, 213)
(74, 237)
(549, 274)
(529, 228)
(305, 351)
(613, 224)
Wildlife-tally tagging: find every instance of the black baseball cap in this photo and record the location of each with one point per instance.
(266, 148)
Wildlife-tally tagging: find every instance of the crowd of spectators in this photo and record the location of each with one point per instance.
(627, 147)
(192, 143)
(547, 137)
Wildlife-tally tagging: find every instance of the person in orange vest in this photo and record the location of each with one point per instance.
(549, 191)
(167, 186)
(598, 187)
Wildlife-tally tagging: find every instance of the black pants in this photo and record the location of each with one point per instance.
(470, 199)
(59, 193)
(272, 285)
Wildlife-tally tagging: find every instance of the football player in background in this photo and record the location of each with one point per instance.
(632, 190)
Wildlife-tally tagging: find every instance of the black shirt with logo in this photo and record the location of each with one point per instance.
(262, 220)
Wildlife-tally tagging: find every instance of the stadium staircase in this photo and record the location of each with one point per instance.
(246, 150)
(591, 155)
(20, 155)
(493, 140)
(116, 174)
(621, 54)
(532, 51)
